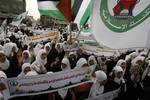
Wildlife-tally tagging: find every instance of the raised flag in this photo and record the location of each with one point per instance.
(81, 12)
(65, 7)
(78, 11)
(18, 19)
(49, 8)
(121, 24)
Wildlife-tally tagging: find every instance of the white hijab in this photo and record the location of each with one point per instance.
(4, 65)
(37, 48)
(81, 62)
(118, 69)
(63, 92)
(45, 47)
(38, 57)
(92, 58)
(119, 63)
(24, 66)
(39, 62)
(2, 75)
(28, 60)
(8, 48)
(96, 88)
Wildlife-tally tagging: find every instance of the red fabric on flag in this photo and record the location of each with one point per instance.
(65, 7)
(128, 3)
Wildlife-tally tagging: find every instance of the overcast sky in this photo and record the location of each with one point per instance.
(32, 8)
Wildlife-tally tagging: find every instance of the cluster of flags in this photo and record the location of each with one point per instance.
(77, 11)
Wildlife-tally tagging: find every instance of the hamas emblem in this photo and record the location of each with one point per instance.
(122, 18)
(124, 8)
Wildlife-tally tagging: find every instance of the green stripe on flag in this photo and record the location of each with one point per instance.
(72, 3)
(53, 13)
(86, 15)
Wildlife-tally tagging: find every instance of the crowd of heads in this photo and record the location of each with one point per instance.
(19, 59)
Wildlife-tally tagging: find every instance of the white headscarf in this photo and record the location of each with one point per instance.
(92, 58)
(63, 92)
(8, 48)
(24, 66)
(131, 56)
(37, 48)
(116, 70)
(2, 75)
(65, 61)
(96, 88)
(38, 64)
(47, 45)
(138, 58)
(119, 63)
(38, 57)
(4, 65)
(81, 62)
(28, 60)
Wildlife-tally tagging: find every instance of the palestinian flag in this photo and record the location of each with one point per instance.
(80, 10)
(48, 8)
(65, 7)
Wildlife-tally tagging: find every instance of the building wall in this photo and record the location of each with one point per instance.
(11, 8)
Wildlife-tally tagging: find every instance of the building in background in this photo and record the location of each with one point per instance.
(11, 8)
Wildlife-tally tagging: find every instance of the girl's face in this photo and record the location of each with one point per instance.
(119, 74)
(123, 65)
(25, 55)
(63, 65)
(91, 62)
(27, 69)
(43, 56)
(2, 57)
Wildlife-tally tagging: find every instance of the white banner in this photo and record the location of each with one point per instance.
(45, 35)
(106, 96)
(122, 24)
(48, 83)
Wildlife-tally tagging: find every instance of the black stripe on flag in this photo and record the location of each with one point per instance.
(75, 8)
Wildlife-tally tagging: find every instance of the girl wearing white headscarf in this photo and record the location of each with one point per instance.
(65, 65)
(26, 67)
(122, 64)
(26, 56)
(98, 85)
(116, 81)
(10, 48)
(138, 60)
(82, 62)
(41, 60)
(37, 48)
(118, 71)
(47, 48)
(2, 85)
(4, 62)
(92, 61)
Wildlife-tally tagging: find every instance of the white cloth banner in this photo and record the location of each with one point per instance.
(48, 83)
(121, 26)
(106, 96)
(45, 35)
